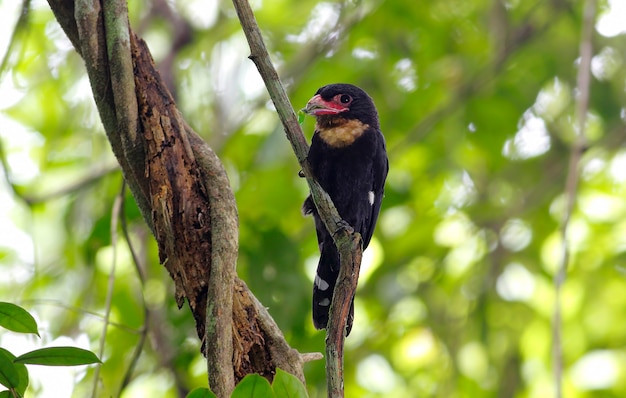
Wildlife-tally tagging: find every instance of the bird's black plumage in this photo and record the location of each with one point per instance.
(349, 160)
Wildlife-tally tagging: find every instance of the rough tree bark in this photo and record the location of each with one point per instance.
(182, 191)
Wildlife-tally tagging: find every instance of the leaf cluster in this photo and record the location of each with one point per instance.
(256, 386)
(13, 372)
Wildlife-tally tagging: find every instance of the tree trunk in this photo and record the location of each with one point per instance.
(182, 191)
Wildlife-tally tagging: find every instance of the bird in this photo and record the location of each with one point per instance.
(348, 158)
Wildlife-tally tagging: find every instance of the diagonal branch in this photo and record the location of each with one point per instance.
(348, 243)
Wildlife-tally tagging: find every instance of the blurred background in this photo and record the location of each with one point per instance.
(477, 101)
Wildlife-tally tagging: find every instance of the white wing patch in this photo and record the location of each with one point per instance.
(321, 283)
(324, 303)
(370, 197)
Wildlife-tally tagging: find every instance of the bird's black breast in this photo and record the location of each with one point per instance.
(347, 175)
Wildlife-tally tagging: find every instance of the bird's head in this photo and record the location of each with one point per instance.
(343, 101)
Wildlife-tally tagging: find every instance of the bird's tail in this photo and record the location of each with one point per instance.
(324, 287)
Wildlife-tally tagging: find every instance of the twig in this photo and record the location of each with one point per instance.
(85, 181)
(6, 171)
(81, 311)
(578, 148)
(115, 215)
(348, 243)
(146, 311)
(261, 58)
(20, 25)
(30, 199)
(477, 82)
(303, 60)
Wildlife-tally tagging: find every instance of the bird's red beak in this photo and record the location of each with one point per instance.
(318, 106)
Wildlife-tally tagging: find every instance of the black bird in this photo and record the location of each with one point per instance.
(349, 160)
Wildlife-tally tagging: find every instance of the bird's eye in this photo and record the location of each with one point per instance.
(345, 99)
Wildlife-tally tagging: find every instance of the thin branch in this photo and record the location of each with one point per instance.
(30, 199)
(20, 25)
(300, 64)
(348, 243)
(6, 171)
(81, 311)
(478, 81)
(146, 311)
(349, 16)
(261, 58)
(115, 216)
(182, 32)
(85, 181)
(573, 173)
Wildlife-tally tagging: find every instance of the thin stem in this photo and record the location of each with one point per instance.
(348, 243)
(571, 187)
(82, 311)
(146, 312)
(115, 215)
(20, 25)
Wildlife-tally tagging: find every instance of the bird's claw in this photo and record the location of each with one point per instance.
(345, 226)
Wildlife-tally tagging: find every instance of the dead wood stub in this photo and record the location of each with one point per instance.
(251, 353)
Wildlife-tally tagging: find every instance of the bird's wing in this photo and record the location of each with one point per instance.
(380, 167)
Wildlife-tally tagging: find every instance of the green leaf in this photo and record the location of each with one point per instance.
(15, 318)
(6, 394)
(8, 373)
(58, 356)
(22, 372)
(201, 392)
(253, 386)
(288, 386)
(301, 116)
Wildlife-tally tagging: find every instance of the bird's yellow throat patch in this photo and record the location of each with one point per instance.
(339, 132)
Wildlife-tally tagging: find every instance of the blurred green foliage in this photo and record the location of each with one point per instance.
(477, 102)
(13, 372)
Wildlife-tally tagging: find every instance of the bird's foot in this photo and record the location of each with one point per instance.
(345, 226)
